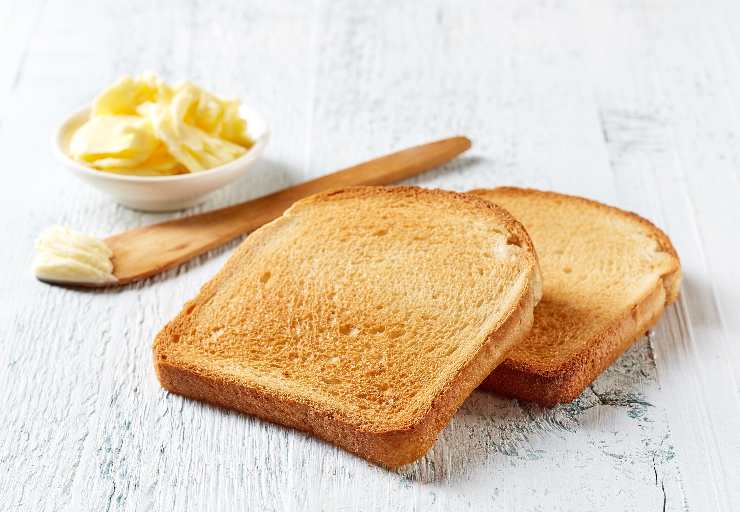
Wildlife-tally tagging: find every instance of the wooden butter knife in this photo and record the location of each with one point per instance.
(143, 252)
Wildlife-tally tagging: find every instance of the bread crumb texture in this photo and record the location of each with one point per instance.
(600, 267)
(362, 304)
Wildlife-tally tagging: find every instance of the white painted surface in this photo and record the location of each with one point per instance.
(634, 103)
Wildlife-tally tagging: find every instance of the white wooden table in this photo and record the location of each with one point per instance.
(633, 103)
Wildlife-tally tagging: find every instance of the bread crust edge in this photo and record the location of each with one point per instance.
(391, 448)
(566, 382)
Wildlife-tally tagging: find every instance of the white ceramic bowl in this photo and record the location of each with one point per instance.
(162, 193)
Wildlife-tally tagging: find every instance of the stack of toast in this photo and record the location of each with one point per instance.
(366, 315)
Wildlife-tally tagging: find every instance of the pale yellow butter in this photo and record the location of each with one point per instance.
(144, 126)
(67, 256)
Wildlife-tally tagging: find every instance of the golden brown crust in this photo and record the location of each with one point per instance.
(564, 381)
(563, 385)
(660, 236)
(514, 227)
(392, 447)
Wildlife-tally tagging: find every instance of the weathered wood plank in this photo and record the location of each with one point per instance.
(630, 103)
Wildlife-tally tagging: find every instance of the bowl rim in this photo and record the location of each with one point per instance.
(253, 152)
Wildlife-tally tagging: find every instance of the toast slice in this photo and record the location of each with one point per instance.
(364, 316)
(608, 275)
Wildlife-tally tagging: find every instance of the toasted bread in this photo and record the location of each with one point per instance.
(364, 316)
(608, 275)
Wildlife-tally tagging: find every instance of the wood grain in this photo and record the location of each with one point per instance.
(632, 103)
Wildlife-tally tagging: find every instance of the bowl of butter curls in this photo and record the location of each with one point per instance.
(159, 147)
